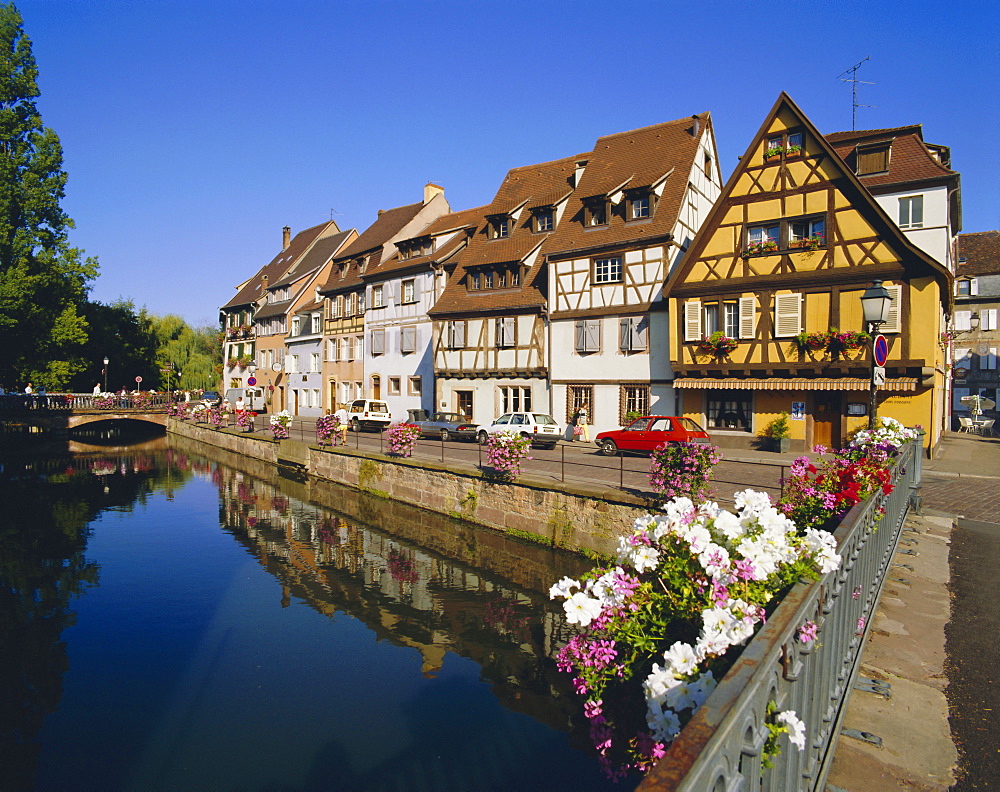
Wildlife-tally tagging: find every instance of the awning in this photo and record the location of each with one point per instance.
(908, 384)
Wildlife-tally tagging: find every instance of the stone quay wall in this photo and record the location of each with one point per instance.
(572, 517)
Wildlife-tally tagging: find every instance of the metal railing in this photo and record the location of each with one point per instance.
(720, 748)
(21, 402)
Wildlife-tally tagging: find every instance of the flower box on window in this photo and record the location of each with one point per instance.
(717, 344)
(760, 248)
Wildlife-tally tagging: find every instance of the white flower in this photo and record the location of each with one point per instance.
(660, 680)
(645, 557)
(751, 500)
(663, 723)
(581, 609)
(563, 588)
(715, 560)
(681, 659)
(702, 688)
(796, 728)
(728, 525)
(698, 537)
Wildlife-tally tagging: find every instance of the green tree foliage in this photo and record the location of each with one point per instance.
(43, 280)
(124, 336)
(193, 354)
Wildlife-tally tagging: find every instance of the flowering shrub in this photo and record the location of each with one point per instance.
(812, 340)
(326, 428)
(696, 579)
(849, 339)
(280, 423)
(401, 437)
(817, 497)
(718, 344)
(505, 451)
(245, 419)
(199, 411)
(142, 400)
(106, 401)
(756, 248)
(216, 416)
(683, 469)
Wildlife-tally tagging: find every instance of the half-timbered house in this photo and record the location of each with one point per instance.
(348, 297)
(762, 299)
(490, 325)
(639, 200)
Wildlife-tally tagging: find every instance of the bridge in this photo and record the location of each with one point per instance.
(66, 411)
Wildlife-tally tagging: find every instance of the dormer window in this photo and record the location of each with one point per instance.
(595, 212)
(639, 206)
(543, 220)
(499, 227)
(487, 280)
(872, 159)
(477, 281)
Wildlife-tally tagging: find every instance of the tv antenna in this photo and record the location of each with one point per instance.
(853, 79)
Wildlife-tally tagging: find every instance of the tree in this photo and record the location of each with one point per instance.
(43, 280)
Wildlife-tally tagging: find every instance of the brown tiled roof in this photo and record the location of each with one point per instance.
(628, 160)
(532, 185)
(388, 224)
(273, 309)
(910, 159)
(453, 222)
(308, 307)
(280, 264)
(320, 253)
(981, 251)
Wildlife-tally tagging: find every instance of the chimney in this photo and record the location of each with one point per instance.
(581, 166)
(696, 126)
(431, 190)
(286, 237)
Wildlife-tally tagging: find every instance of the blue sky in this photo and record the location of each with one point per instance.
(193, 131)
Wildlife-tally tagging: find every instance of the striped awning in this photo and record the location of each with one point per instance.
(905, 384)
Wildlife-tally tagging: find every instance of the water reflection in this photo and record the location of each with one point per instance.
(357, 644)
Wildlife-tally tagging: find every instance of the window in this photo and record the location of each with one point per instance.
(293, 364)
(763, 239)
(502, 279)
(487, 280)
(608, 270)
(788, 143)
(730, 409)
(378, 342)
(588, 335)
(988, 359)
(872, 159)
(338, 306)
(359, 342)
(710, 324)
(352, 304)
(632, 336)
(577, 398)
(345, 349)
(415, 386)
(296, 325)
(499, 227)
(803, 233)
(514, 398)
(967, 287)
(314, 361)
(456, 334)
(911, 212)
(633, 399)
(331, 350)
(408, 339)
(595, 212)
(988, 319)
(638, 206)
(963, 320)
(394, 386)
(463, 403)
(377, 296)
(707, 166)
(791, 234)
(515, 277)
(409, 291)
(505, 332)
(477, 280)
(543, 220)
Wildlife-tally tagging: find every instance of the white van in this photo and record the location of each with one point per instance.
(253, 398)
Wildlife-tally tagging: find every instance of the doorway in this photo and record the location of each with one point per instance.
(827, 415)
(376, 387)
(463, 403)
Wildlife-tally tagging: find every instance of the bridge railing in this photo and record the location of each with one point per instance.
(20, 402)
(720, 748)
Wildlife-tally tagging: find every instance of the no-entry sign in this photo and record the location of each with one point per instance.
(881, 350)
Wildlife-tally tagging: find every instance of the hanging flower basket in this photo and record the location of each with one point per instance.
(717, 344)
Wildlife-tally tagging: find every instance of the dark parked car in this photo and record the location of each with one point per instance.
(645, 434)
(211, 399)
(447, 426)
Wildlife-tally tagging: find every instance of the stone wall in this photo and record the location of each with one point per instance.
(557, 514)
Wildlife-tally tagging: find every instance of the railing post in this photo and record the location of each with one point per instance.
(562, 461)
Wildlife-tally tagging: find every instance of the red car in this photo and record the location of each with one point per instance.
(649, 432)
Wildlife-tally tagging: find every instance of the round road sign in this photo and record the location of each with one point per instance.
(138, 379)
(881, 350)
(251, 381)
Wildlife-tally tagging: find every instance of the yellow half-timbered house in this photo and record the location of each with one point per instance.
(762, 300)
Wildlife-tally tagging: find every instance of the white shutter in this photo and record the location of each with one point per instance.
(692, 320)
(974, 286)
(963, 320)
(988, 319)
(408, 339)
(591, 335)
(378, 342)
(787, 315)
(748, 317)
(581, 335)
(892, 326)
(961, 357)
(638, 339)
(507, 331)
(458, 334)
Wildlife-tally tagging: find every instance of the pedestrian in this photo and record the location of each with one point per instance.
(97, 389)
(583, 421)
(341, 416)
(240, 405)
(28, 389)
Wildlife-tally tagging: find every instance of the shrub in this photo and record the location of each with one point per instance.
(401, 437)
(683, 469)
(280, 423)
(505, 451)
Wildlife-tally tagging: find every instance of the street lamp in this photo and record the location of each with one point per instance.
(106, 361)
(875, 304)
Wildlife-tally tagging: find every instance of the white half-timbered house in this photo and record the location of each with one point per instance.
(640, 198)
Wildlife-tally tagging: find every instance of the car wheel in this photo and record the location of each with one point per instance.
(608, 448)
(355, 425)
(445, 435)
(483, 437)
(548, 446)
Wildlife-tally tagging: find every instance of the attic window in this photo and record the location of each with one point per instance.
(499, 227)
(788, 144)
(595, 212)
(639, 205)
(872, 159)
(543, 220)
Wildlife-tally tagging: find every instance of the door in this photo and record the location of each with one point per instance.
(826, 419)
(376, 386)
(463, 403)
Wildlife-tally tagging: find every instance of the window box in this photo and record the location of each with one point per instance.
(761, 248)
(809, 243)
(718, 344)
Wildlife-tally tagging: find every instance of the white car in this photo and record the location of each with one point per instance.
(368, 414)
(541, 428)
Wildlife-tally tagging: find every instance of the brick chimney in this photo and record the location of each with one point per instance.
(286, 237)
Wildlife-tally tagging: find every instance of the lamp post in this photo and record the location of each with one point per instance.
(875, 304)
(106, 361)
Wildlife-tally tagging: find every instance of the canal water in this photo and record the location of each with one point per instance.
(170, 621)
